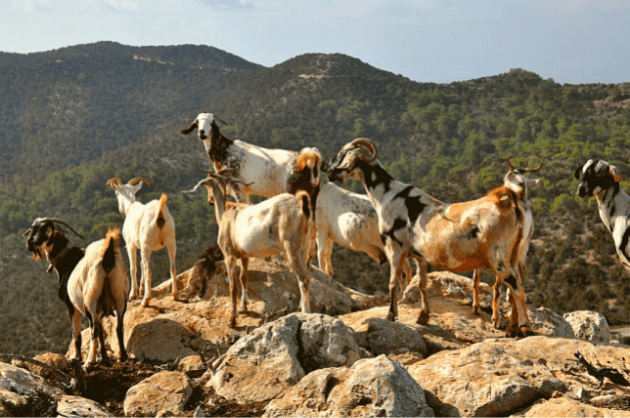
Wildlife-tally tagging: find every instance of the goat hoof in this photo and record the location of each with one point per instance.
(526, 331)
(145, 303)
(391, 317)
(423, 319)
(175, 298)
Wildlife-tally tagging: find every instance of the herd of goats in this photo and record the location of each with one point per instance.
(394, 222)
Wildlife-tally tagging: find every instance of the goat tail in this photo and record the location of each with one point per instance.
(305, 204)
(160, 218)
(109, 256)
(106, 300)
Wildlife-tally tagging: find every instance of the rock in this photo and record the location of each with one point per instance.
(371, 387)
(160, 340)
(498, 376)
(190, 363)
(565, 407)
(76, 406)
(199, 413)
(326, 342)
(385, 337)
(262, 365)
(546, 321)
(163, 391)
(406, 359)
(19, 388)
(589, 325)
(53, 359)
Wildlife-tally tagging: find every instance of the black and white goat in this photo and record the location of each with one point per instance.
(263, 171)
(461, 237)
(600, 179)
(92, 282)
(148, 228)
(280, 224)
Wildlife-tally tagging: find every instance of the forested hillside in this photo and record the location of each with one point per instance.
(72, 118)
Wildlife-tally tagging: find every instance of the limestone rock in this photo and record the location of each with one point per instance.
(546, 321)
(498, 376)
(163, 391)
(76, 406)
(160, 340)
(19, 387)
(371, 387)
(385, 337)
(190, 363)
(565, 407)
(589, 325)
(262, 365)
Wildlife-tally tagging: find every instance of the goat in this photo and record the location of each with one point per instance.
(91, 281)
(600, 179)
(281, 224)
(349, 219)
(513, 180)
(264, 172)
(148, 228)
(483, 233)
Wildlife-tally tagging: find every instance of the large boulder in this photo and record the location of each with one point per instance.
(262, 365)
(163, 391)
(498, 376)
(589, 325)
(161, 340)
(566, 407)
(76, 406)
(371, 387)
(21, 389)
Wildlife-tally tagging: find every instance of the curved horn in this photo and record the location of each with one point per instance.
(225, 171)
(369, 145)
(510, 164)
(203, 171)
(112, 181)
(137, 179)
(199, 184)
(59, 221)
(219, 119)
(532, 170)
(25, 233)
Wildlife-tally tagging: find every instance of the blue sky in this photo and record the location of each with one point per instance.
(577, 41)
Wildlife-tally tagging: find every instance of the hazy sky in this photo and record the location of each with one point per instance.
(571, 41)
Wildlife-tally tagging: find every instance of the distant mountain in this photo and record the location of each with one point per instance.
(72, 118)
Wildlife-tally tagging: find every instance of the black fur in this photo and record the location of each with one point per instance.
(512, 282)
(382, 176)
(109, 258)
(219, 145)
(473, 233)
(399, 223)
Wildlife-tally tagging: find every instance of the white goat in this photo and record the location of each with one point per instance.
(484, 233)
(349, 219)
(281, 224)
(91, 282)
(148, 228)
(264, 172)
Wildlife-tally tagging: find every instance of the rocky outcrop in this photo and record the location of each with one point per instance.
(262, 365)
(76, 406)
(20, 388)
(163, 391)
(589, 325)
(376, 387)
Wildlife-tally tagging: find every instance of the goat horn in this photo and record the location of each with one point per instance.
(59, 221)
(219, 119)
(138, 179)
(112, 181)
(510, 164)
(202, 182)
(369, 145)
(532, 170)
(25, 233)
(224, 171)
(203, 171)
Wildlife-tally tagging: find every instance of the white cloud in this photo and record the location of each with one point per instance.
(229, 4)
(122, 5)
(30, 5)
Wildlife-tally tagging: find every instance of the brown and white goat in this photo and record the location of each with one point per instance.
(92, 282)
(147, 227)
(460, 237)
(515, 181)
(263, 171)
(281, 224)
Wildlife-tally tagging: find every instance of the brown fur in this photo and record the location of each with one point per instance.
(307, 158)
(160, 218)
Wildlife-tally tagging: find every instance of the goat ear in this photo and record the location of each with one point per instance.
(613, 172)
(25, 233)
(578, 173)
(191, 128)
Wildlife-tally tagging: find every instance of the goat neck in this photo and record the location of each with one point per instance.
(219, 199)
(611, 203)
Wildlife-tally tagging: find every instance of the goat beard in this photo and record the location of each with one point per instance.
(37, 254)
